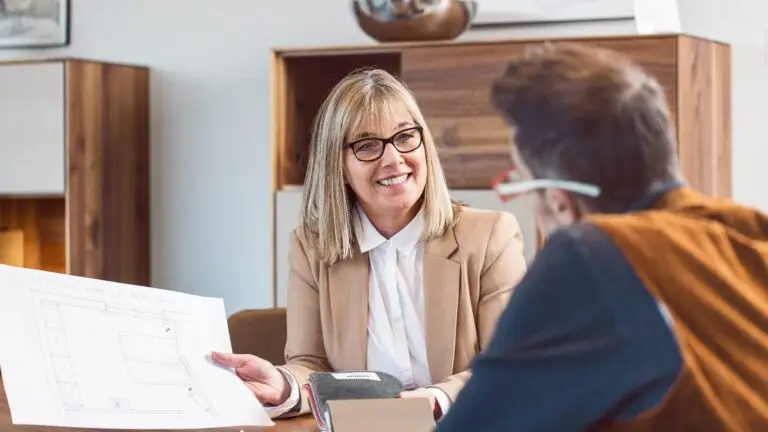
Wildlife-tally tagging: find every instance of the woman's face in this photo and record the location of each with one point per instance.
(393, 183)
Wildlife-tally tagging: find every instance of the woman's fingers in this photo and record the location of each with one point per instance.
(236, 361)
(260, 376)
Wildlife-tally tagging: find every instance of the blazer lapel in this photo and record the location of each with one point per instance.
(348, 283)
(441, 302)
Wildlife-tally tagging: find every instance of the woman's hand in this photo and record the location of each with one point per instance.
(423, 393)
(263, 379)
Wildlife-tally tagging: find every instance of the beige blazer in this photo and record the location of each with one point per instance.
(469, 274)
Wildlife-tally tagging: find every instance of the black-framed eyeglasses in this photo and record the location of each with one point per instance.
(371, 149)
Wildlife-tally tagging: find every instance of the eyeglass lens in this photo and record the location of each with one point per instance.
(373, 148)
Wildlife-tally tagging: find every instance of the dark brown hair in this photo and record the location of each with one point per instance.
(586, 114)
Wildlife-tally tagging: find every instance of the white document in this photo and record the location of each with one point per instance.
(80, 352)
(657, 16)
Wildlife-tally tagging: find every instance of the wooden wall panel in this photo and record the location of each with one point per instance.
(108, 190)
(452, 84)
(704, 113)
(42, 221)
(12, 247)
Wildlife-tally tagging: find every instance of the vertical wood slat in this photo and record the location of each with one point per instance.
(278, 90)
(704, 114)
(108, 181)
(84, 184)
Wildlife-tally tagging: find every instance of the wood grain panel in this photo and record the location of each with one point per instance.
(452, 85)
(704, 110)
(108, 177)
(12, 247)
(306, 82)
(43, 223)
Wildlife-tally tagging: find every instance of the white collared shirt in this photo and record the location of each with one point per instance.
(396, 339)
(396, 328)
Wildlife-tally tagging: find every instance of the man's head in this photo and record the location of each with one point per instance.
(591, 116)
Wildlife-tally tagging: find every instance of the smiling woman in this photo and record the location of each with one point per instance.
(387, 188)
(387, 273)
(352, 163)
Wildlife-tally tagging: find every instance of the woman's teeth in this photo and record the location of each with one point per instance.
(394, 180)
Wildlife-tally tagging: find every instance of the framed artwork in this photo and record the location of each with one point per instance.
(34, 23)
(501, 12)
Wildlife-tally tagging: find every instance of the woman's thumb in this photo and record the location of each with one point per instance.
(225, 359)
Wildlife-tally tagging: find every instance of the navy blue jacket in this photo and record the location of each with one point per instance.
(581, 341)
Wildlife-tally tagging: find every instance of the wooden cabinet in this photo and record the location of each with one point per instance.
(74, 166)
(452, 80)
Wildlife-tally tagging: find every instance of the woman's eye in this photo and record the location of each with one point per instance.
(366, 146)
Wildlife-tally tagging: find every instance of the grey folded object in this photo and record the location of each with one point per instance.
(326, 386)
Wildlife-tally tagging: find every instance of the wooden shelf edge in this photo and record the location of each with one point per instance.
(383, 48)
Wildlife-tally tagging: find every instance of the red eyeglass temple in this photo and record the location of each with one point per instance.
(500, 178)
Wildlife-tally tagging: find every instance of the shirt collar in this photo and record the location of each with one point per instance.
(405, 241)
(650, 200)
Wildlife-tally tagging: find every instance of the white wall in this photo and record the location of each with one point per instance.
(211, 220)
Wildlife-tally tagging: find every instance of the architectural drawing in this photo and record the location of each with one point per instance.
(153, 376)
(90, 353)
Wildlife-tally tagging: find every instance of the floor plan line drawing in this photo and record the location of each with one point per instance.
(152, 362)
(88, 353)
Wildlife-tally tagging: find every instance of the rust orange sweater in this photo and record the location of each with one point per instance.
(707, 261)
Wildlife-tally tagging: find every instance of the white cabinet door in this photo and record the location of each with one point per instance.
(488, 199)
(32, 149)
(288, 206)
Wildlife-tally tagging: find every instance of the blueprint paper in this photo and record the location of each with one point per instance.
(81, 352)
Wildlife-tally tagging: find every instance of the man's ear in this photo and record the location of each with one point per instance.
(562, 206)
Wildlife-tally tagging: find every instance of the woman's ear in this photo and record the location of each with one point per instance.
(344, 176)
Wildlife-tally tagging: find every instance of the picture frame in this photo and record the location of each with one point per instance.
(34, 23)
(520, 12)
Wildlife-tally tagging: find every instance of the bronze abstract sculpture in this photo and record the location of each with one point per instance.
(414, 20)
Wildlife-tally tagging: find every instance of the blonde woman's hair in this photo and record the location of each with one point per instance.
(328, 204)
